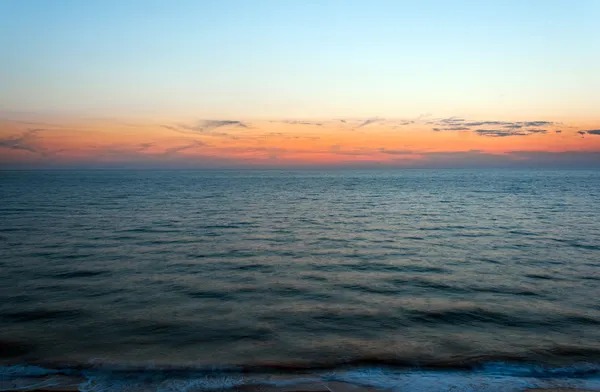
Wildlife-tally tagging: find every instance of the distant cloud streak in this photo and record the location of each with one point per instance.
(177, 149)
(369, 122)
(491, 128)
(505, 132)
(23, 142)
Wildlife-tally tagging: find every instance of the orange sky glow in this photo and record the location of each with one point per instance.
(285, 143)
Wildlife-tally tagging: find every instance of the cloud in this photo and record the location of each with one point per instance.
(582, 133)
(282, 135)
(558, 131)
(537, 123)
(491, 128)
(593, 132)
(302, 122)
(23, 142)
(176, 149)
(452, 129)
(493, 123)
(451, 120)
(370, 121)
(206, 126)
(542, 131)
(498, 132)
(505, 132)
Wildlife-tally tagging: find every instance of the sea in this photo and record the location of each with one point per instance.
(408, 279)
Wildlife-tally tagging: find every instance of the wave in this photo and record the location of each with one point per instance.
(486, 377)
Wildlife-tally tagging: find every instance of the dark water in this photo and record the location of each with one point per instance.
(301, 269)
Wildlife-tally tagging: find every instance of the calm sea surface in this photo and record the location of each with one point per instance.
(300, 268)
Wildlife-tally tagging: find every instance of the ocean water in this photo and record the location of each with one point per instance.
(367, 276)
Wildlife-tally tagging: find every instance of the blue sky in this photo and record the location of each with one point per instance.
(301, 58)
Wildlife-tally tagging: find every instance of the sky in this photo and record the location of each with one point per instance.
(252, 83)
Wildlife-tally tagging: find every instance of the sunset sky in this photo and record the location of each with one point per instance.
(235, 84)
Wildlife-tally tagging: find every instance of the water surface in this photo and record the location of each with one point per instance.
(300, 268)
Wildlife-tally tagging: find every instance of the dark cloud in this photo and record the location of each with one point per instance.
(24, 142)
(499, 132)
(452, 129)
(537, 123)
(558, 131)
(582, 133)
(491, 128)
(593, 132)
(506, 132)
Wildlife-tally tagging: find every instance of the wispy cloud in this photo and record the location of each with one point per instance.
(491, 128)
(25, 142)
(452, 129)
(174, 150)
(507, 132)
(170, 127)
(207, 127)
(370, 121)
(302, 122)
